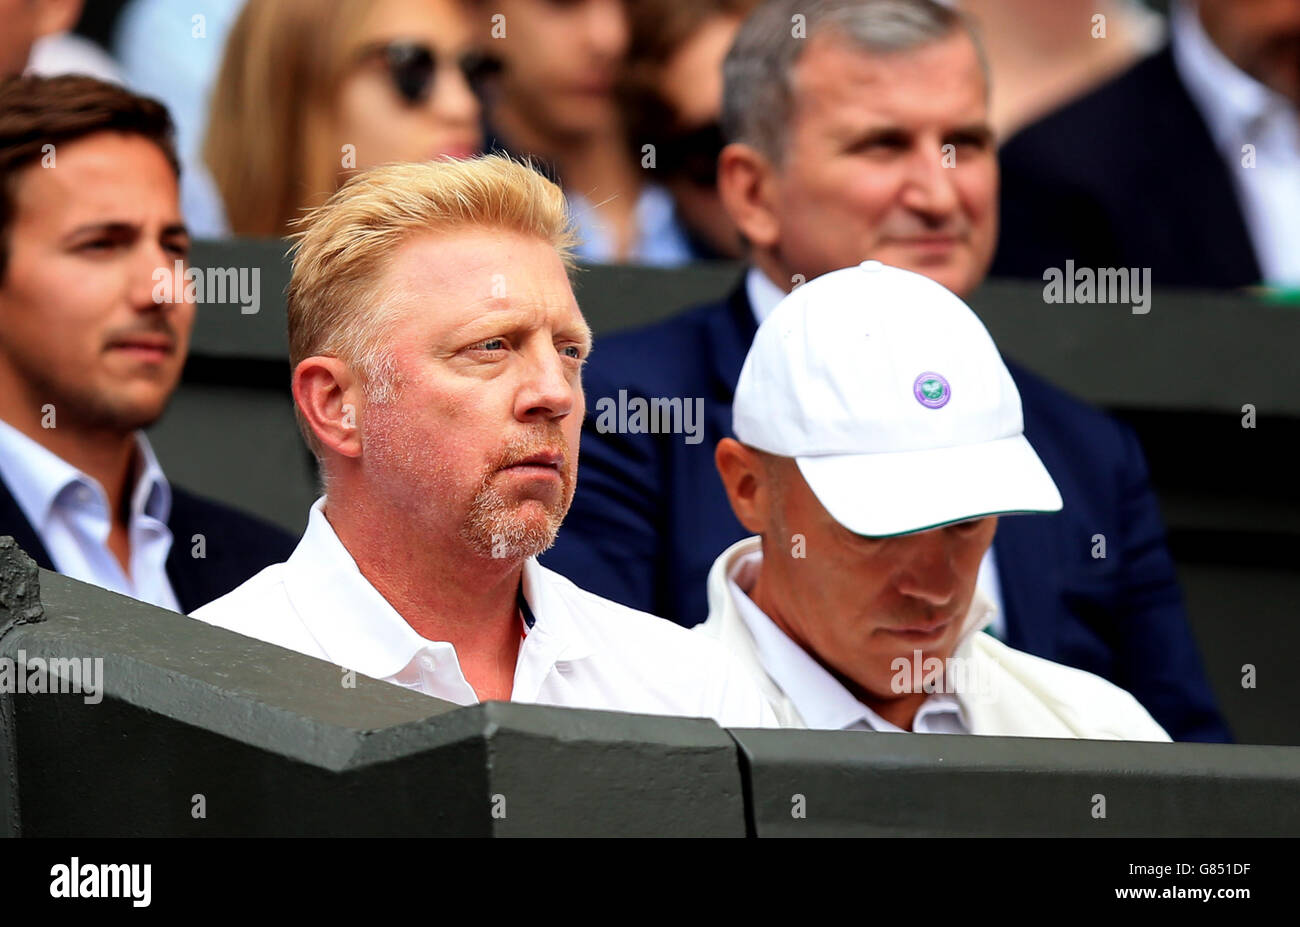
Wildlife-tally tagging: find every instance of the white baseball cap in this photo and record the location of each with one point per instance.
(891, 397)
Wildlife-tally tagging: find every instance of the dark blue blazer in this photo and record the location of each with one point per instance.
(236, 546)
(1126, 176)
(650, 516)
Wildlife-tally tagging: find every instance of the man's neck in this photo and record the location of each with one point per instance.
(441, 588)
(899, 711)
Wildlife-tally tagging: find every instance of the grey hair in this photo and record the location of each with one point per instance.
(757, 96)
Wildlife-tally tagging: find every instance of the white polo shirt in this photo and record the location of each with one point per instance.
(582, 651)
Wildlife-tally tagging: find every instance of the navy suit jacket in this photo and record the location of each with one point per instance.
(650, 516)
(1126, 176)
(236, 546)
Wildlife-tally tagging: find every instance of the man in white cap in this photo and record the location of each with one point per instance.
(880, 436)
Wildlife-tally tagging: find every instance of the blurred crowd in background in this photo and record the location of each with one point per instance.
(278, 101)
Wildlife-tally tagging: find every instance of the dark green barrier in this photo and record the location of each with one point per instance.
(262, 740)
(838, 783)
(192, 730)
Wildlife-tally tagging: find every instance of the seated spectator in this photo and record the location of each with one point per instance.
(671, 93)
(556, 102)
(878, 438)
(437, 351)
(1043, 55)
(311, 92)
(836, 155)
(1188, 164)
(90, 230)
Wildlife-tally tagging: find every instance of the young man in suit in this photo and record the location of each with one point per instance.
(839, 153)
(1187, 164)
(90, 227)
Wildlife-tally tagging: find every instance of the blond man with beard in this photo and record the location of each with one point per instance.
(437, 352)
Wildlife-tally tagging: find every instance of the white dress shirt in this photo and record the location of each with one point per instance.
(582, 651)
(763, 298)
(1239, 110)
(68, 510)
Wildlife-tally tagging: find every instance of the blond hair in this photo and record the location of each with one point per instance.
(343, 247)
(269, 136)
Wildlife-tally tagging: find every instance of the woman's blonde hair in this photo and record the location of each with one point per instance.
(335, 305)
(269, 142)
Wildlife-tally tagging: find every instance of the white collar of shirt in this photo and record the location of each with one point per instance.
(1235, 105)
(763, 294)
(355, 626)
(822, 700)
(39, 480)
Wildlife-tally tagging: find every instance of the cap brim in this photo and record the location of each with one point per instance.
(880, 495)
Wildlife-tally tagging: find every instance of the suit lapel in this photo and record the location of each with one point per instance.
(731, 330)
(14, 522)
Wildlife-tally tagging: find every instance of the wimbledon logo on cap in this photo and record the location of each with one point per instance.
(932, 390)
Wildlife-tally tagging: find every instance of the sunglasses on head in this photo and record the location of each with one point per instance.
(412, 67)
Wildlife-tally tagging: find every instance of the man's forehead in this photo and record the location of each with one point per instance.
(100, 180)
(480, 273)
(939, 80)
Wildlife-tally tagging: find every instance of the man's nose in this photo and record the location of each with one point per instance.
(928, 573)
(930, 186)
(154, 283)
(453, 100)
(607, 28)
(547, 392)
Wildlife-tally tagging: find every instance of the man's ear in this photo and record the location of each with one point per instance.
(745, 480)
(746, 181)
(330, 399)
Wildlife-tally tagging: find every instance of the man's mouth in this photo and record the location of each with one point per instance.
(921, 632)
(929, 242)
(155, 348)
(540, 464)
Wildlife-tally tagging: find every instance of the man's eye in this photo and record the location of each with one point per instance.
(492, 344)
(573, 351)
(98, 244)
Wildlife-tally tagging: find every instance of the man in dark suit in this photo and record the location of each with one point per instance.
(874, 101)
(94, 330)
(1187, 164)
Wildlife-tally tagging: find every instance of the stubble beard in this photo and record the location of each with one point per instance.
(494, 527)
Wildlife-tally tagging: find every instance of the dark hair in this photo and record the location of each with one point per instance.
(40, 111)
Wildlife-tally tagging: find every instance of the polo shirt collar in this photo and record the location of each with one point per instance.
(358, 628)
